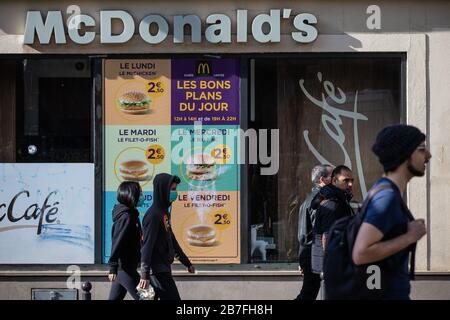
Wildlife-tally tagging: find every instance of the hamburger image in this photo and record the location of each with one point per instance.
(134, 170)
(134, 102)
(201, 235)
(201, 167)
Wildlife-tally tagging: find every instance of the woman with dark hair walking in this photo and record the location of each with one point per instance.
(126, 242)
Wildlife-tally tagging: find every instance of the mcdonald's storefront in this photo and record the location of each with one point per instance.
(238, 100)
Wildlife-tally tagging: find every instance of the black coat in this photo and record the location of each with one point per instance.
(160, 246)
(126, 238)
(335, 207)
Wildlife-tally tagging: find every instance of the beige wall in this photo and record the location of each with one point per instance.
(439, 107)
(422, 30)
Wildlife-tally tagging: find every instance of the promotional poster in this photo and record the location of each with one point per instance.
(180, 117)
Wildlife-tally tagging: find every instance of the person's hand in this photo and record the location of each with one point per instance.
(191, 269)
(112, 277)
(143, 284)
(300, 270)
(416, 230)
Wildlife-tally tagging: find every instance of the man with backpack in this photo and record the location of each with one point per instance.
(367, 255)
(332, 203)
(320, 177)
(387, 232)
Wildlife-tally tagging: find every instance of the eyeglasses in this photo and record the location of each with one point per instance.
(422, 147)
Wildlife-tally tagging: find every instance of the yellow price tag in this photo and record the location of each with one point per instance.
(221, 219)
(221, 154)
(155, 154)
(155, 88)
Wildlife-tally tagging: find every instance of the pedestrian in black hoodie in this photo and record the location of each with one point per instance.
(126, 242)
(160, 246)
(331, 204)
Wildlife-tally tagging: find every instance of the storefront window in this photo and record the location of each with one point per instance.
(46, 110)
(54, 111)
(47, 180)
(327, 110)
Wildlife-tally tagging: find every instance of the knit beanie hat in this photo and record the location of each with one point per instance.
(395, 144)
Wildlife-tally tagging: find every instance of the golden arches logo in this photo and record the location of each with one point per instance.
(203, 68)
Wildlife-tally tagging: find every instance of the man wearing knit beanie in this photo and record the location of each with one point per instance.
(395, 144)
(389, 233)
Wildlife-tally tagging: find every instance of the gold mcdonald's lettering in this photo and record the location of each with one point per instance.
(203, 68)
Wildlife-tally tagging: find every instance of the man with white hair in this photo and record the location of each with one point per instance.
(320, 176)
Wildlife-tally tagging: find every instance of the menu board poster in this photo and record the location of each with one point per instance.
(136, 153)
(206, 215)
(137, 96)
(206, 225)
(152, 109)
(206, 158)
(137, 92)
(206, 91)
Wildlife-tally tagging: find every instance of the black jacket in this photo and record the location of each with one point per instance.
(336, 207)
(126, 238)
(160, 246)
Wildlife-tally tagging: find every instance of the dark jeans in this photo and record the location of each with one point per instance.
(127, 280)
(311, 280)
(164, 286)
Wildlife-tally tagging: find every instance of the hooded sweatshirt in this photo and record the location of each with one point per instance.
(160, 246)
(126, 238)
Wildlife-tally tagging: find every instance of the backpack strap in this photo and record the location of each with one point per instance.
(412, 248)
(370, 196)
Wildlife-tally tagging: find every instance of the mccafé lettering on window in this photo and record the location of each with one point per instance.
(217, 27)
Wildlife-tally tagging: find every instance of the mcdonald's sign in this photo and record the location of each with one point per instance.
(203, 68)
